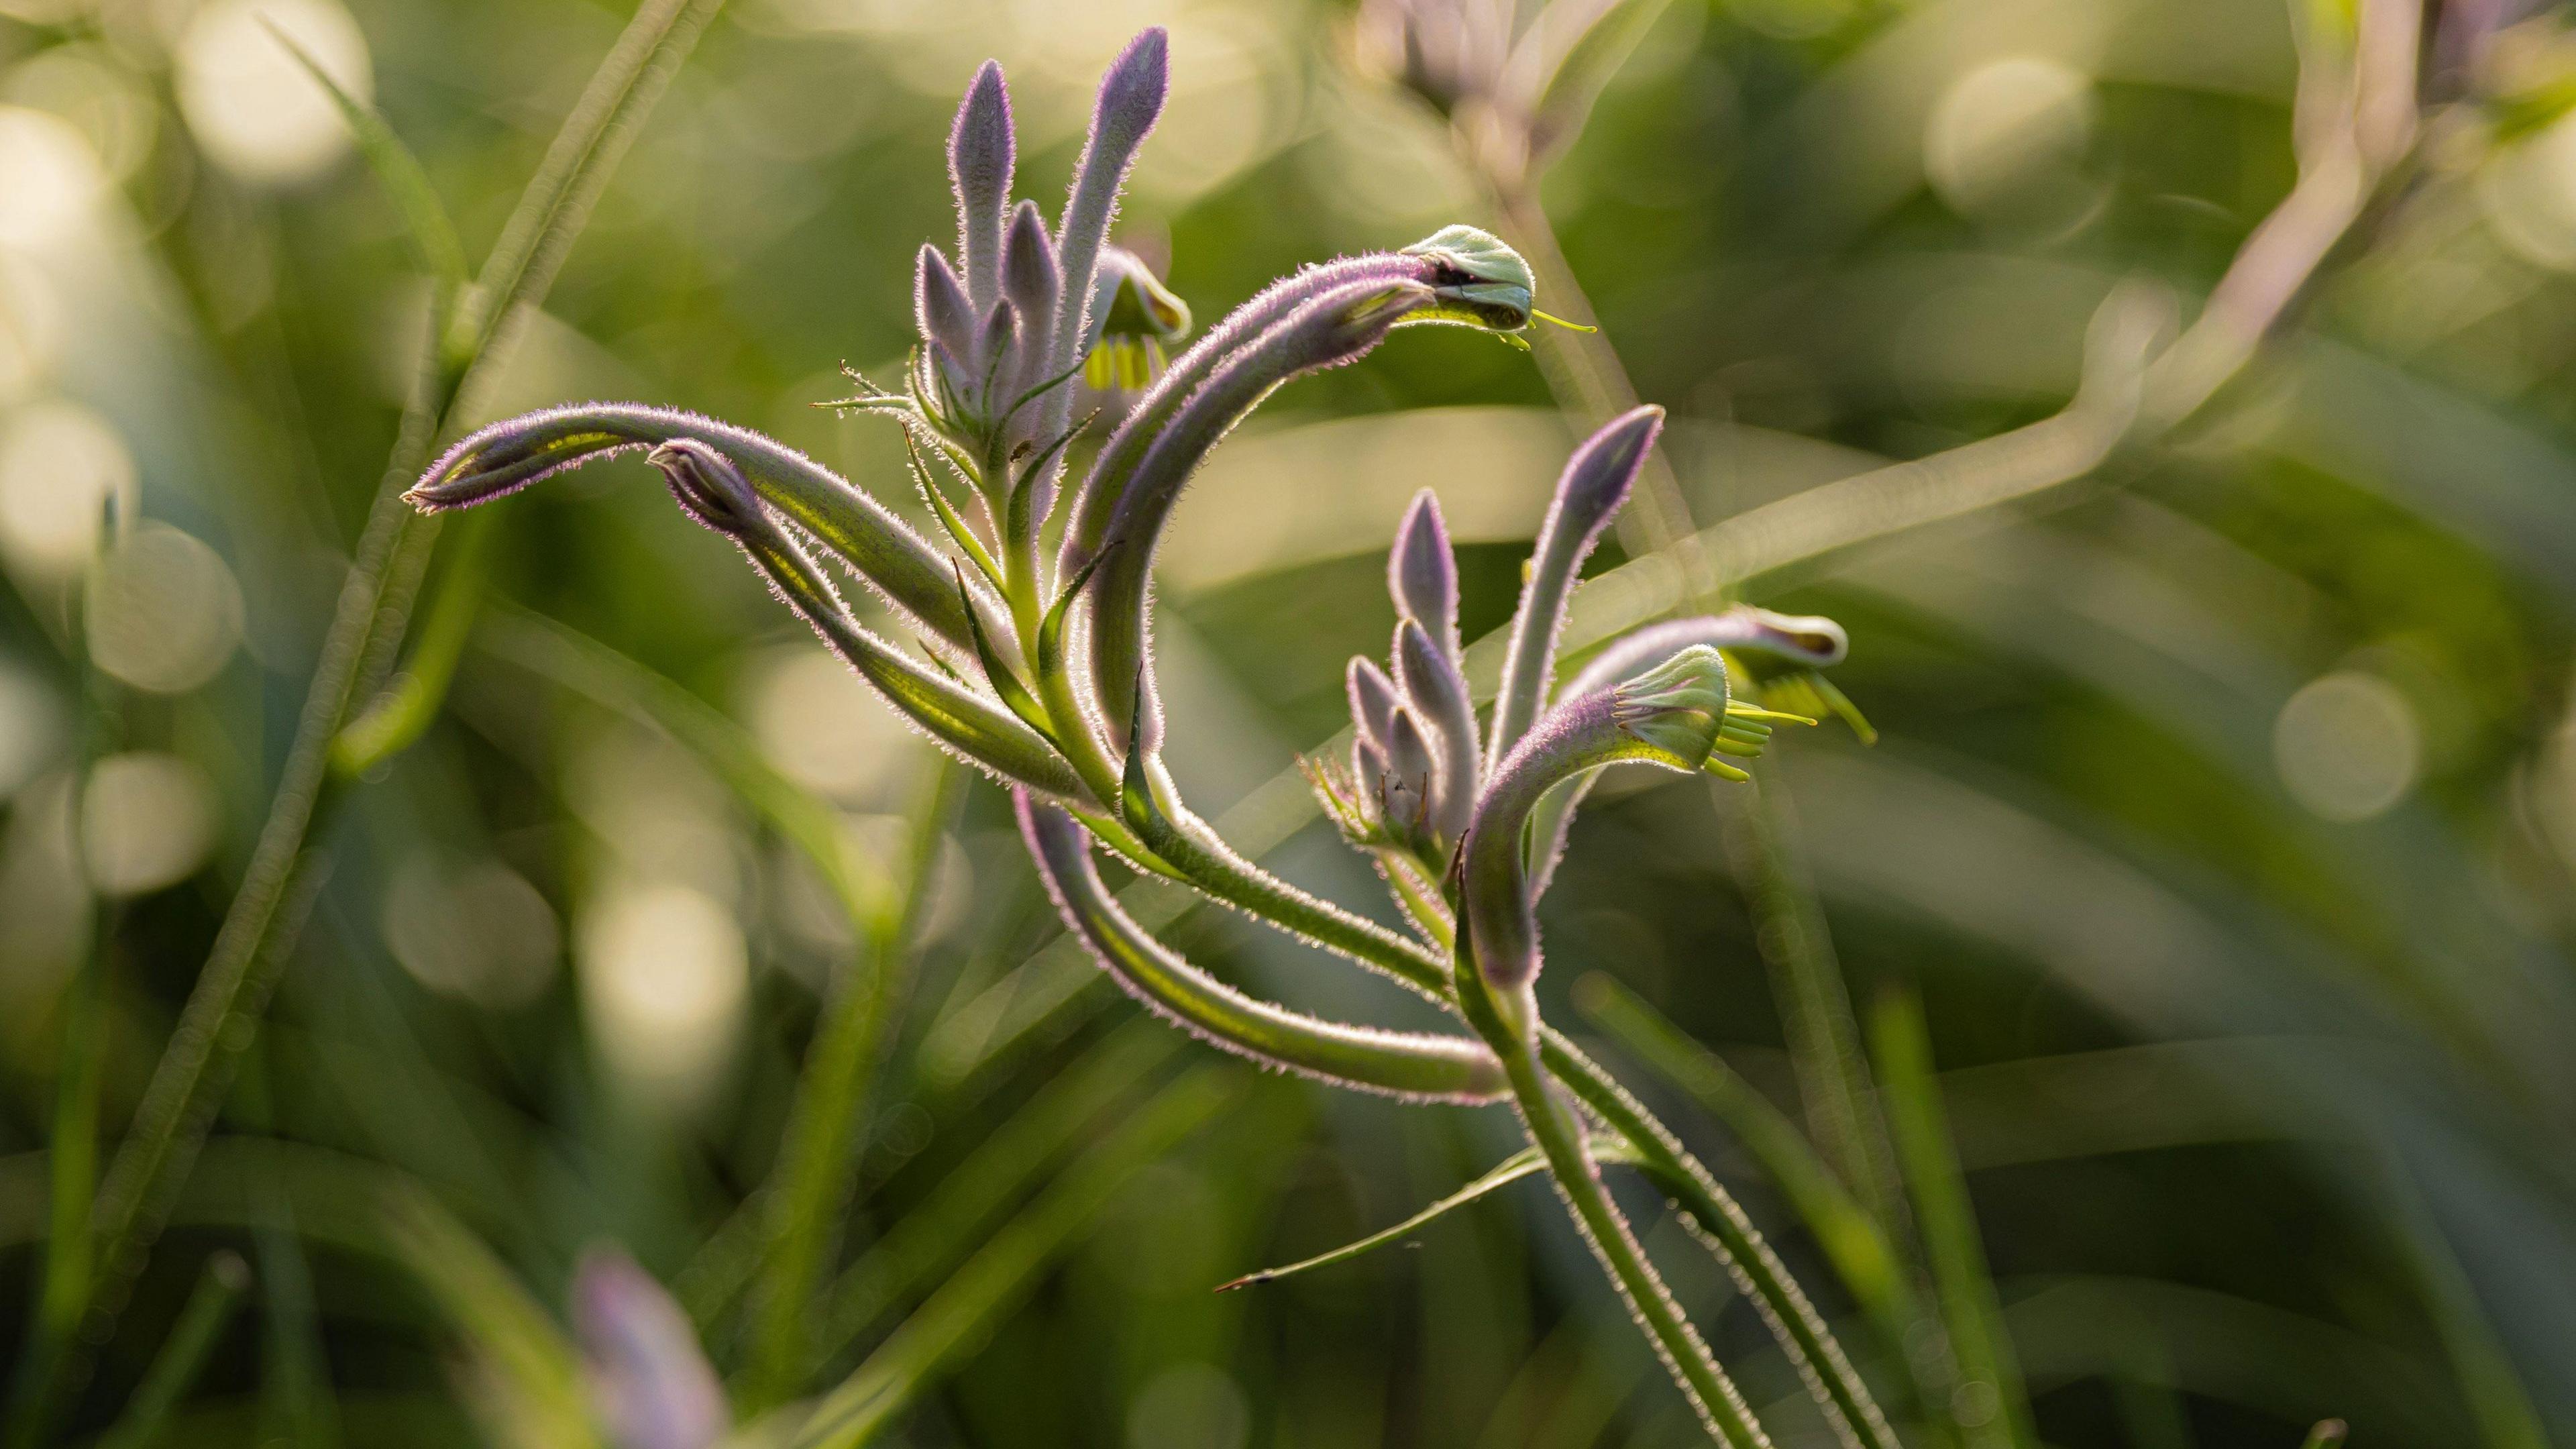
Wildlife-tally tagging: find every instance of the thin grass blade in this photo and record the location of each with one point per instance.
(267, 911)
(1005, 1270)
(1990, 1407)
(1525, 1163)
(406, 182)
(183, 1354)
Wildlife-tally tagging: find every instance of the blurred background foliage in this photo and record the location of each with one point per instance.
(2223, 817)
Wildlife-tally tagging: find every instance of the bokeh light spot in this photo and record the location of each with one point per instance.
(828, 731)
(477, 931)
(665, 976)
(59, 464)
(252, 105)
(52, 179)
(147, 821)
(2348, 746)
(164, 613)
(2003, 126)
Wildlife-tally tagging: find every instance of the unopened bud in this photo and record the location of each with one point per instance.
(1422, 572)
(940, 308)
(1372, 700)
(708, 486)
(981, 154)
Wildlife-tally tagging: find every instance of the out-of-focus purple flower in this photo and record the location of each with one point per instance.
(650, 1383)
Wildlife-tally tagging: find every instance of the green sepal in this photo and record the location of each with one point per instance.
(1037, 391)
(1005, 683)
(950, 519)
(1135, 790)
(1051, 628)
(1017, 522)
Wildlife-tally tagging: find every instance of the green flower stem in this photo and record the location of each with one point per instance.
(1721, 1224)
(1193, 848)
(1559, 1138)
(1802, 1332)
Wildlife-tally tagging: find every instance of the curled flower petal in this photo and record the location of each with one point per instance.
(1671, 716)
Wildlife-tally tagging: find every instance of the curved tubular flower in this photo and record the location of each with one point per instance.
(1588, 495)
(1337, 327)
(1670, 716)
(504, 457)
(1401, 1064)
(1743, 634)
(1472, 276)
(711, 490)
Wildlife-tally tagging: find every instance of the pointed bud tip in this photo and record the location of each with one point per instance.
(707, 485)
(1422, 571)
(1133, 89)
(1598, 476)
(981, 143)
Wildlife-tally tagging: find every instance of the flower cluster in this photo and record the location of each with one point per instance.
(1033, 612)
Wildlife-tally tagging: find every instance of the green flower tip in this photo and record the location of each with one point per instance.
(1477, 281)
(1136, 318)
(1678, 708)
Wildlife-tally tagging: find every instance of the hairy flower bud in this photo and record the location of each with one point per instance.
(707, 486)
(942, 311)
(1422, 572)
(1412, 773)
(1030, 283)
(1429, 681)
(1372, 697)
(981, 155)
(1588, 494)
